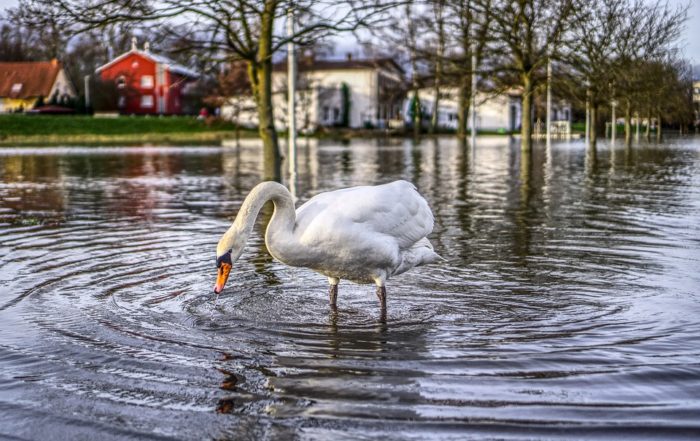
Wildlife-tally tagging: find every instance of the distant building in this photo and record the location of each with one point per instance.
(23, 84)
(495, 112)
(147, 83)
(371, 91)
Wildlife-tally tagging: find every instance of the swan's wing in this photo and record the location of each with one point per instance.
(391, 211)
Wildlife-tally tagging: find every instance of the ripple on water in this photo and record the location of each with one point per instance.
(566, 308)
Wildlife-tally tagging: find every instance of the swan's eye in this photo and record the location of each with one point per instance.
(224, 258)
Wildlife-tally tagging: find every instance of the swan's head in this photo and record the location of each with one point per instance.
(228, 251)
(223, 265)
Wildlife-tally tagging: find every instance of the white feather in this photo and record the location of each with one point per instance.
(364, 234)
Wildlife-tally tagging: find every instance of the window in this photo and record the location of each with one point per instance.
(336, 114)
(147, 101)
(16, 87)
(326, 113)
(122, 102)
(147, 82)
(121, 82)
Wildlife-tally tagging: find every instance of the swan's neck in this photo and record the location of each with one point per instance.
(279, 235)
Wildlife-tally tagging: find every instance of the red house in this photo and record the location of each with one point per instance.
(147, 83)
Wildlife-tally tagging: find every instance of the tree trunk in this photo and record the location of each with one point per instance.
(438, 68)
(658, 128)
(628, 123)
(260, 75)
(593, 125)
(647, 129)
(526, 117)
(417, 113)
(463, 107)
(417, 109)
(436, 104)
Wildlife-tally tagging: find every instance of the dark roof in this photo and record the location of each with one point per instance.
(310, 64)
(36, 78)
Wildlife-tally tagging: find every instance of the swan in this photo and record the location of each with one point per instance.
(364, 234)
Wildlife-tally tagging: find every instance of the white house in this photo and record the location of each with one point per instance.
(371, 91)
(497, 112)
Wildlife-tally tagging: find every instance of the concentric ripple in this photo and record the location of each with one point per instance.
(568, 306)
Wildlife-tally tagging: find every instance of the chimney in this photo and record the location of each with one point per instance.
(133, 43)
(54, 61)
(147, 47)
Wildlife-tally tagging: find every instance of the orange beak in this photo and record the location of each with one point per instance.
(222, 277)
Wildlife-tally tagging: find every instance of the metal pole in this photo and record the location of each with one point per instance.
(588, 113)
(473, 104)
(291, 105)
(549, 100)
(87, 91)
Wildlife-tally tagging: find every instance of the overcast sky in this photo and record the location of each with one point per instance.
(690, 41)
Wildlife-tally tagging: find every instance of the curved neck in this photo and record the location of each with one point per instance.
(280, 228)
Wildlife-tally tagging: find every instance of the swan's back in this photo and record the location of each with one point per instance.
(366, 214)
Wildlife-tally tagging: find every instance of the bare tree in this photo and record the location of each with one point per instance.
(523, 32)
(468, 24)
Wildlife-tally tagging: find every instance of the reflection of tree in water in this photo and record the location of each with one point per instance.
(263, 259)
(465, 209)
(390, 161)
(40, 199)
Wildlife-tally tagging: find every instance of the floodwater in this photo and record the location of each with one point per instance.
(568, 307)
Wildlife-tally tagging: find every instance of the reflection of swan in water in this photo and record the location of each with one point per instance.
(363, 234)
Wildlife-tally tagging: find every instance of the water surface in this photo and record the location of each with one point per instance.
(568, 307)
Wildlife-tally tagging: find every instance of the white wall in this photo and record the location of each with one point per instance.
(317, 90)
(493, 111)
(62, 85)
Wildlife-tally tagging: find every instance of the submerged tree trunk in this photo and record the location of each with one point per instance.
(438, 67)
(260, 75)
(628, 123)
(261, 79)
(658, 128)
(526, 117)
(647, 129)
(463, 106)
(594, 125)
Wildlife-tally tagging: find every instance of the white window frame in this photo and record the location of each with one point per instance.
(147, 101)
(147, 82)
(121, 82)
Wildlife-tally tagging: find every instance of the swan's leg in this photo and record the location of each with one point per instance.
(381, 294)
(333, 290)
(381, 291)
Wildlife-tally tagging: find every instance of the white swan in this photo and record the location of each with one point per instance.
(362, 234)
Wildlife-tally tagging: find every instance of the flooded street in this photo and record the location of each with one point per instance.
(568, 307)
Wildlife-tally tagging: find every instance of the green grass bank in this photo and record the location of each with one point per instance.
(37, 130)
